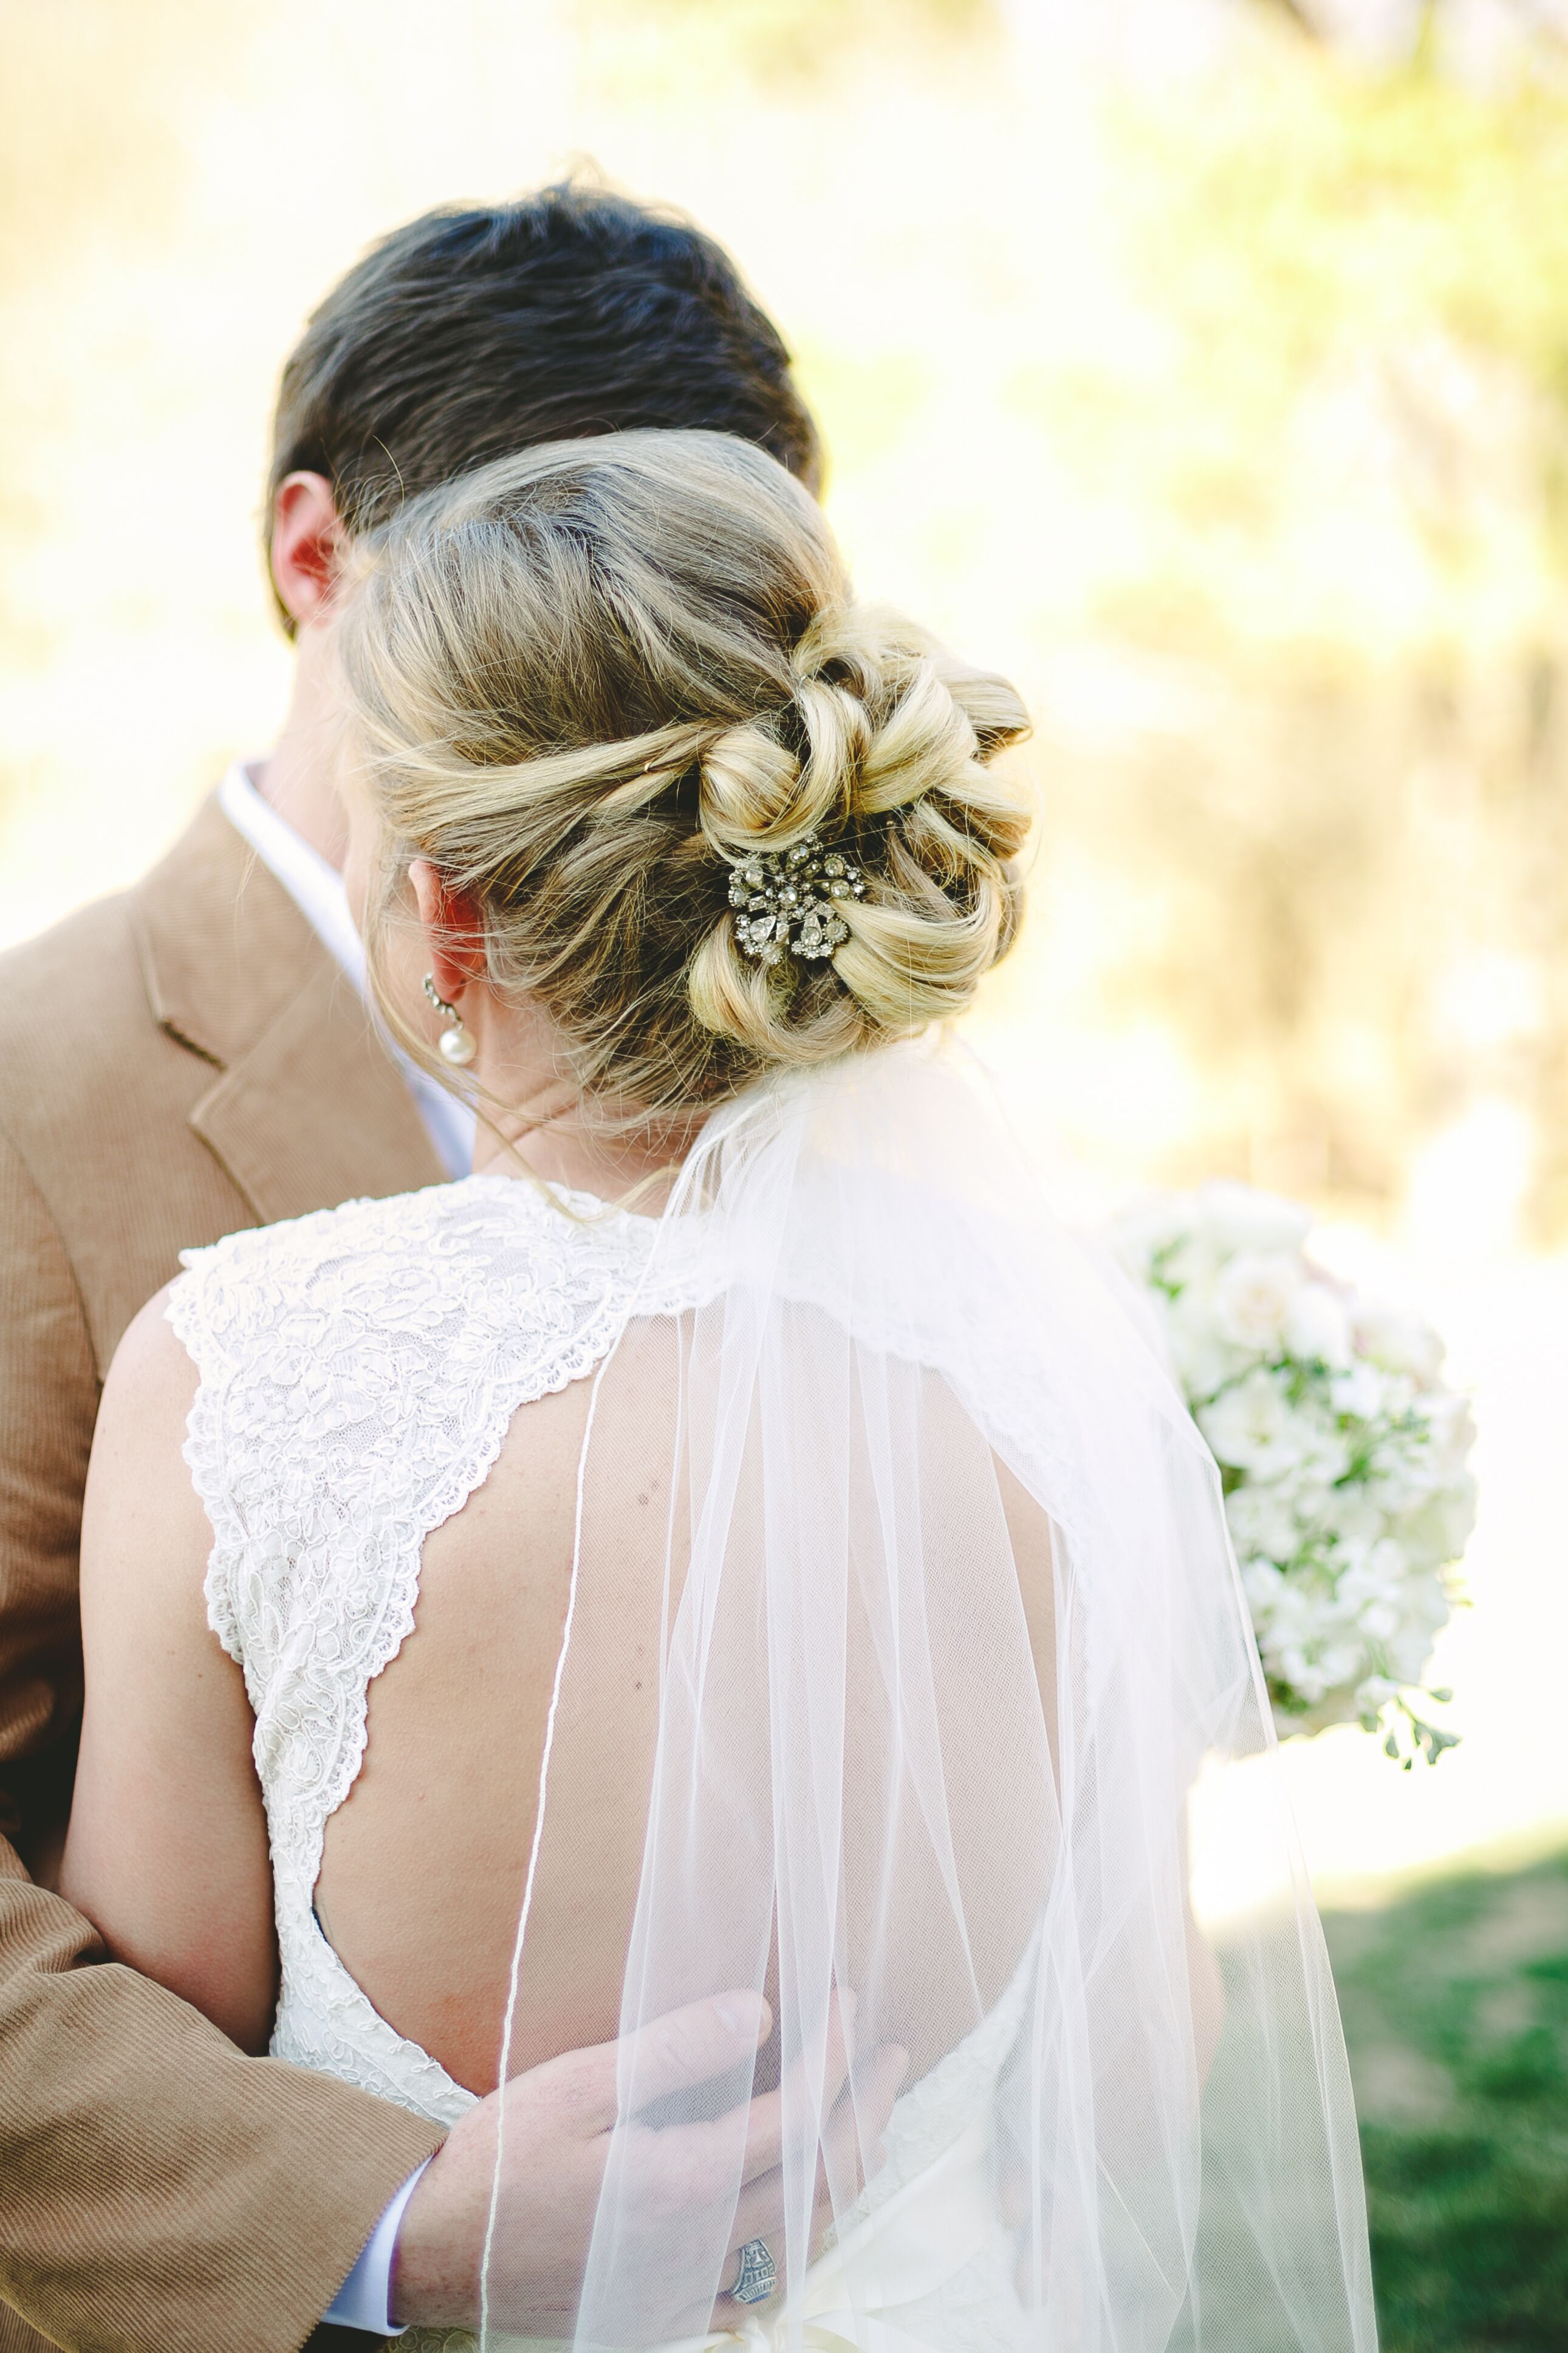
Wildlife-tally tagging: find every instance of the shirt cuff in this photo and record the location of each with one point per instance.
(364, 2300)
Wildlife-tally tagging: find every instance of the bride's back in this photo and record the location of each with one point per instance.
(425, 1866)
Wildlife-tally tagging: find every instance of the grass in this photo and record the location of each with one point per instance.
(1455, 2007)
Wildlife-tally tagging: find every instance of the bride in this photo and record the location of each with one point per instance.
(735, 1542)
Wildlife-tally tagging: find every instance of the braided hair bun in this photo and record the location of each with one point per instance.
(720, 818)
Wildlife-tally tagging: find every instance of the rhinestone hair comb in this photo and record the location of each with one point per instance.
(788, 902)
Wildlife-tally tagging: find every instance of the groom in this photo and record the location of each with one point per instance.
(193, 1056)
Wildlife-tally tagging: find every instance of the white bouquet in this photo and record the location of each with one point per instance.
(1342, 1453)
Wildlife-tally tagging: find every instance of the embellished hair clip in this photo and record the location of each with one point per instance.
(791, 901)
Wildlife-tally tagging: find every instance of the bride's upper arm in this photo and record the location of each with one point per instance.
(167, 1848)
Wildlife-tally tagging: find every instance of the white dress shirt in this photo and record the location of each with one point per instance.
(364, 2300)
(317, 890)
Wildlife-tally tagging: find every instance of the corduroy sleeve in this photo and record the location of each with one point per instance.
(159, 2192)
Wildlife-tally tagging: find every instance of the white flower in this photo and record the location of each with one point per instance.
(1348, 1515)
(1376, 1569)
(1253, 1298)
(1397, 1340)
(1304, 1675)
(1457, 1509)
(1451, 1429)
(1250, 1426)
(1318, 1327)
(1240, 1217)
(1350, 1496)
(1202, 1360)
(1262, 1583)
(1363, 1392)
(1325, 1455)
(1144, 1227)
(1262, 1522)
(1191, 1266)
(1411, 1648)
(1342, 1664)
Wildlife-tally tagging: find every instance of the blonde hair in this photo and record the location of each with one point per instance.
(585, 680)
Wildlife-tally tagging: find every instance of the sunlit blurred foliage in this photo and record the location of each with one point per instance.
(79, 181)
(1343, 441)
(804, 42)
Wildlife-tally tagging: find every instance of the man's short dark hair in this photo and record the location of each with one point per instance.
(471, 333)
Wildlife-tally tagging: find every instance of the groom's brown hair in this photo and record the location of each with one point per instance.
(471, 333)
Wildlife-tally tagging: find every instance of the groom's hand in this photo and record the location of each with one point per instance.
(558, 2123)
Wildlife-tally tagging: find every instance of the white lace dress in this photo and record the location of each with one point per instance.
(359, 1369)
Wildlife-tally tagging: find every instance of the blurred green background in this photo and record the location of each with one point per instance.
(1454, 1999)
(1206, 362)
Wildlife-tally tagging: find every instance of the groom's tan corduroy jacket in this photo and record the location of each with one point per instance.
(174, 1063)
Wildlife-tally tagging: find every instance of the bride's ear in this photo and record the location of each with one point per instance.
(454, 930)
(306, 537)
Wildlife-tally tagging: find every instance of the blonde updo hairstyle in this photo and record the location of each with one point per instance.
(584, 680)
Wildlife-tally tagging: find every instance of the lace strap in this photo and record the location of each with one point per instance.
(359, 1370)
(209, 1308)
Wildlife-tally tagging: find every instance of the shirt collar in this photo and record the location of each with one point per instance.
(317, 890)
(315, 886)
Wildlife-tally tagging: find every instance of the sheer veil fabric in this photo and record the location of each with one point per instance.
(951, 1631)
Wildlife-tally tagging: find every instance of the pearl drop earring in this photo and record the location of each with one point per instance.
(457, 1045)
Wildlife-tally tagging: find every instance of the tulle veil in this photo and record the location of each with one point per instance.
(952, 1634)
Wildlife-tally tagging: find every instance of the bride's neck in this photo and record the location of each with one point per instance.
(549, 1128)
(565, 1151)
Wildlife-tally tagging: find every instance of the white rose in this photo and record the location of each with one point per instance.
(1253, 1299)
(1450, 1426)
(1202, 1360)
(1251, 1426)
(1240, 1217)
(1458, 1507)
(1397, 1340)
(1434, 1521)
(1318, 1327)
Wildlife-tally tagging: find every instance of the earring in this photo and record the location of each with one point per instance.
(457, 1046)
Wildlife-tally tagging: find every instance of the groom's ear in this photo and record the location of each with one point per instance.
(306, 539)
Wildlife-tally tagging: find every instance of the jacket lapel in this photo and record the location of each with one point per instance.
(307, 1107)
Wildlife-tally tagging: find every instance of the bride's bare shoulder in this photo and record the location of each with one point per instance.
(178, 1887)
(149, 1383)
